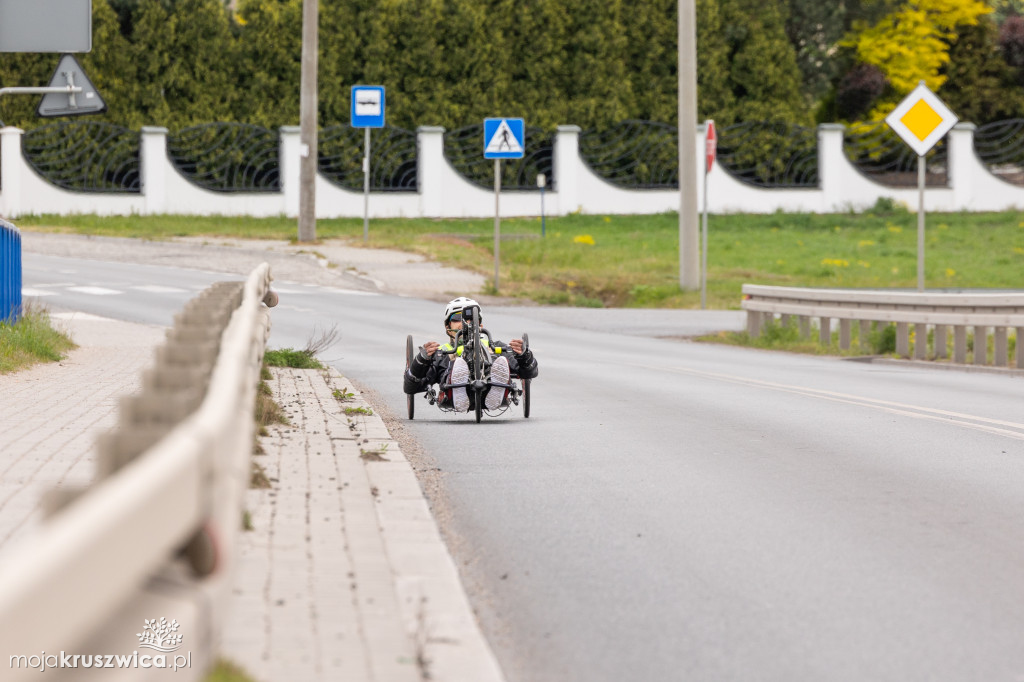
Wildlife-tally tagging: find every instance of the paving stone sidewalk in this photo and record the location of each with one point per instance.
(344, 575)
(51, 414)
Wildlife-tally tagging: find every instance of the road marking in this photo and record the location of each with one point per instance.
(987, 424)
(79, 317)
(28, 291)
(157, 289)
(95, 291)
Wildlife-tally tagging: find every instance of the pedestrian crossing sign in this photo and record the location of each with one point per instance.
(504, 138)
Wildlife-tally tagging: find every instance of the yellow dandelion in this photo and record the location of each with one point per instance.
(865, 243)
(895, 271)
(950, 272)
(584, 239)
(895, 229)
(864, 264)
(607, 219)
(570, 284)
(837, 228)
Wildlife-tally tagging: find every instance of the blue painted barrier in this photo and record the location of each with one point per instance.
(10, 272)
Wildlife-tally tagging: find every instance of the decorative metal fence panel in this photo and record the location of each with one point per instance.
(645, 154)
(1000, 147)
(464, 149)
(10, 273)
(879, 153)
(634, 154)
(770, 155)
(85, 156)
(392, 158)
(227, 157)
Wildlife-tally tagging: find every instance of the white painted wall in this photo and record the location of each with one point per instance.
(443, 193)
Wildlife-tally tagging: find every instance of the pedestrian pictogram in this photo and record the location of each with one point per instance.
(504, 138)
(921, 119)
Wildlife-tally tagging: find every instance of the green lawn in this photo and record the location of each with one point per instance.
(31, 340)
(633, 261)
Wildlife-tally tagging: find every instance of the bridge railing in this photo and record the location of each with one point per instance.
(969, 317)
(10, 272)
(154, 536)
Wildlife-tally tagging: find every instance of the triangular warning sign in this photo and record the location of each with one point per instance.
(88, 101)
(503, 140)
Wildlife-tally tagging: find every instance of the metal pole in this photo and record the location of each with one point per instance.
(497, 219)
(366, 186)
(308, 123)
(920, 223)
(689, 255)
(704, 249)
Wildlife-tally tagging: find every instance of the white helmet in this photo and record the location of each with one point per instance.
(457, 306)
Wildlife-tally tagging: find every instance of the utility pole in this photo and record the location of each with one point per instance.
(689, 246)
(308, 123)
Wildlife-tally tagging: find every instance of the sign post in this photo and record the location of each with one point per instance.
(921, 120)
(367, 112)
(504, 138)
(710, 150)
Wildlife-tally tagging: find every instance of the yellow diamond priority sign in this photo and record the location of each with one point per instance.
(921, 119)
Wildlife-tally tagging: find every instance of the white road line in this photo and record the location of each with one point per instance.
(157, 289)
(79, 316)
(28, 291)
(95, 291)
(1010, 429)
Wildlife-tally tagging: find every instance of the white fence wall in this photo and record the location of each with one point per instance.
(443, 193)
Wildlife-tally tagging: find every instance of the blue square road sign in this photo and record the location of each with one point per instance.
(504, 138)
(367, 106)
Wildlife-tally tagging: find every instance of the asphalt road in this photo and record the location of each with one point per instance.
(681, 511)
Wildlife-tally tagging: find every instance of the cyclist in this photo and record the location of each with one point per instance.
(448, 366)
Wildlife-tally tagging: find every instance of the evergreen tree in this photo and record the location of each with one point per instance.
(187, 63)
(814, 28)
(269, 62)
(763, 74)
(980, 86)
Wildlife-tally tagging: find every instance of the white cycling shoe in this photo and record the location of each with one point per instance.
(460, 375)
(500, 375)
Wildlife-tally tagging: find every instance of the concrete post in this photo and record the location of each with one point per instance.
(1001, 350)
(567, 168)
(980, 345)
(153, 169)
(429, 170)
(289, 158)
(10, 171)
(831, 162)
(961, 164)
(921, 341)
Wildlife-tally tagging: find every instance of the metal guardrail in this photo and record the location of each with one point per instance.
(155, 534)
(10, 272)
(940, 313)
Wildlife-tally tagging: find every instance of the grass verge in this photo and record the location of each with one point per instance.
(633, 261)
(31, 340)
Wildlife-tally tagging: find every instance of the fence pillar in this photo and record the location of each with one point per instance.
(567, 168)
(831, 162)
(153, 169)
(289, 160)
(430, 170)
(962, 164)
(10, 171)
